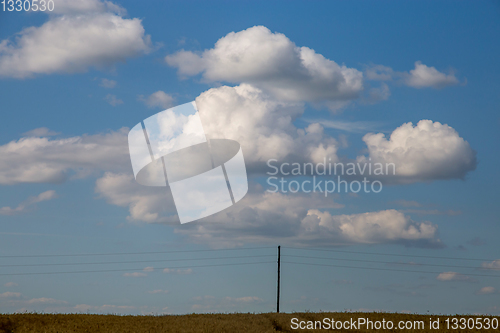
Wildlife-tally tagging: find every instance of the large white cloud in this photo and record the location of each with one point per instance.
(262, 125)
(87, 34)
(372, 227)
(306, 220)
(264, 217)
(45, 160)
(428, 151)
(272, 62)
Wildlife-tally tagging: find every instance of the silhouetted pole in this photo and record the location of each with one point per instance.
(278, 296)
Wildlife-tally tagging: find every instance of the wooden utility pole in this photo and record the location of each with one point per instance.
(278, 296)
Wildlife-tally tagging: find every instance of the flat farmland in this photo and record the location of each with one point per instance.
(247, 322)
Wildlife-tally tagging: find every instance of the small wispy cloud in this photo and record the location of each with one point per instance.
(45, 300)
(348, 126)
(495, 265)
(10, 284)
(135, 274)
(454, 276)
(157, 291)
(10, 294)
(106, 308)
(406, 203)
(487, 291)
(26, 204)
(422, 76)
(477, 241)
(159, 99)
(179, 271)
(246, 299)
(378, 94)
(113, 100)
(40, 132)
(105, 83)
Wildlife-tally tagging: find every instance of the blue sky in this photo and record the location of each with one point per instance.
(74, 82)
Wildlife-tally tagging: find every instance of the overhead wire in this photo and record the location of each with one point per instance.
(388, 262)
(128, 253)
(284, 255)
(387, 254)
(134, 269)
(381, 269)
(133, 261)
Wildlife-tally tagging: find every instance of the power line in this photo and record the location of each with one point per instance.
(135, 269)
(389, 254)
(389, 262)
(130, 253)
(132, 262)
(236, 249)
(381, 269)
(235, 257)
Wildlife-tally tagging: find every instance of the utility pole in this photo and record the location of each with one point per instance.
(278, 296)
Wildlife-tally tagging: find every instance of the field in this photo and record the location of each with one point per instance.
(238, 322)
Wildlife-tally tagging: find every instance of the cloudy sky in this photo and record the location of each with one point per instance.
(411, 84)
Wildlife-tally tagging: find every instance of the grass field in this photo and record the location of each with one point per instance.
(238, 322)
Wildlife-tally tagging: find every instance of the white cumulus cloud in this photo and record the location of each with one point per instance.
(42, 160)
(306, 220)
(372, 227)
(428, 151)
(424, 76)
(262, 125)
(269, 217)
(85, 34)
(274, 63)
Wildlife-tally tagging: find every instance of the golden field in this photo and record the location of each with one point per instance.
(237, 322)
